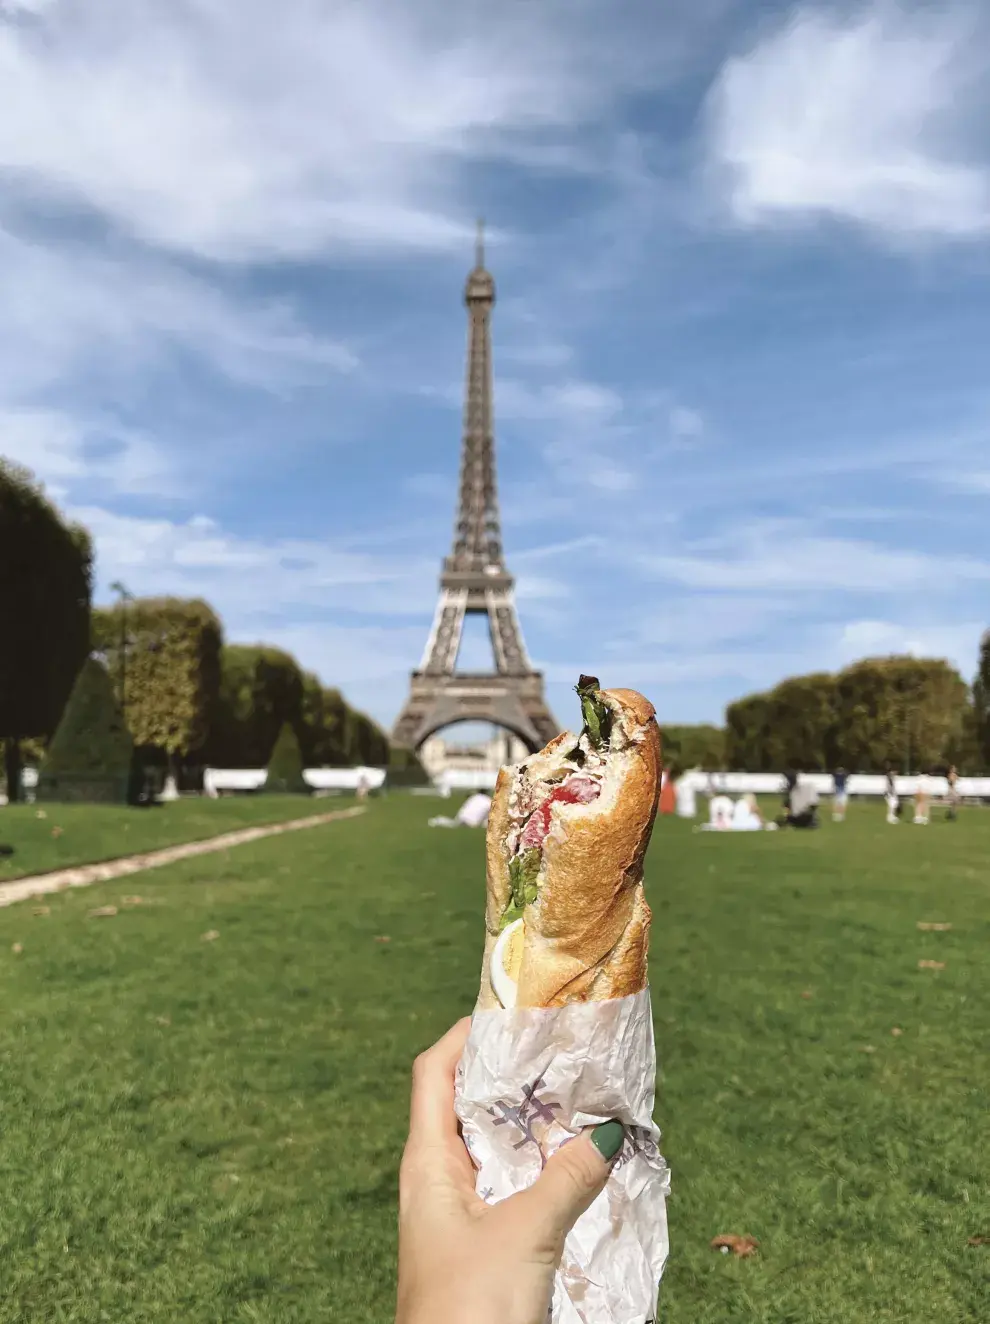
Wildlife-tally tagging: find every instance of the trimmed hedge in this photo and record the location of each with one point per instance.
(285, 770)
(164, 654)
(90, 755)
(45, 585)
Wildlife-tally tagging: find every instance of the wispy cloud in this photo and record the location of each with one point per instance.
(957, 642)
(868, 117)
(252, 132)
(68, 313)
(68, 455)
(252, 578)
(779, 556)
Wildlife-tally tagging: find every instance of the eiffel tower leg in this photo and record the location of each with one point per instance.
(507, 640)
(440, 654)
(514, 703)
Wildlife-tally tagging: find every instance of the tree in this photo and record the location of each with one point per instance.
(164, 657)
(369, 745)
(339, 727)
(261, 688)
(981, 704)
(285, 769)
(901, 710)
(801, 724)
(326, 725)
(89, 757)
(747, 727)
(686, 747)
(404, 767)
(45, 588)
(312, 724)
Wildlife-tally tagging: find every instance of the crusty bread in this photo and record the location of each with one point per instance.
(586, 936)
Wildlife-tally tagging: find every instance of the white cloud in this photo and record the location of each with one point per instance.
(83, 335)
(66, 313)
(862, 117)
(251, 130)
(789, 556)
(255, 579)
(571, 402)
(686, 425)
(957, 642)
(66, 453)
(33, 7)
(974, 483)
(541, 588)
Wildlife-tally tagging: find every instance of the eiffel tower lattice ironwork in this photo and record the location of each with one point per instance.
(474, 579)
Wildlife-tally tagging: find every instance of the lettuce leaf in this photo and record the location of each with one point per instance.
(523, 871)
(596, 713)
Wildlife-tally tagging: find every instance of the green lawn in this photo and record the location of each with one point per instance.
(206, 1131)
(67, 835)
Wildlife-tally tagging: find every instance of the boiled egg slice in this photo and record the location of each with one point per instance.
(506, 960)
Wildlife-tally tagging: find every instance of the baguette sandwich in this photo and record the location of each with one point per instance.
(566, 918)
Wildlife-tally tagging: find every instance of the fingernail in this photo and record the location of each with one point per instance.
(607, 1138)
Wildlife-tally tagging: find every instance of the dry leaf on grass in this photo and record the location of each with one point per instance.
(931, 965)
(41, 814)
(867, 1048)
(382, 937)
(806, 994)
(57, 831)
(740, 1246)
(163, 1020)
(42, 910)
(210, 935)
(978, 1241)
(897, 1031)
(931, 926)
(16, 948)
(132, 901)
(102, 912)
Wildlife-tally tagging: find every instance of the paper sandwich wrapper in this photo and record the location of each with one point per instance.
(531, 1078)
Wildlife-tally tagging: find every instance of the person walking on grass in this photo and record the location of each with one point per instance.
(841, 797)
(953, 779)
(891, 797)
(922, 799)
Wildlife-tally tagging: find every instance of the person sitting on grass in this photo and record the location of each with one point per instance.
(800, 804)
(891, 797)
(746, 816)
(472, 813)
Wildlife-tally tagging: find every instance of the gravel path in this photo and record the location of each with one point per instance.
(84, 875)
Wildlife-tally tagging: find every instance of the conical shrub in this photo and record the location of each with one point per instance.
(285, 767)
(89, 757)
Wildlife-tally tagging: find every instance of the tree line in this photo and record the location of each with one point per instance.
(905, 712)
(186, 696)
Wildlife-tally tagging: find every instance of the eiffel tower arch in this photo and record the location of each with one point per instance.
(474, 579)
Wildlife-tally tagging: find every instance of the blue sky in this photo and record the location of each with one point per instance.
(742, 255)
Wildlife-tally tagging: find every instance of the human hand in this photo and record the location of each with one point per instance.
(462, 1261)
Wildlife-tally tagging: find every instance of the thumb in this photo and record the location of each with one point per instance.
(574, 1176)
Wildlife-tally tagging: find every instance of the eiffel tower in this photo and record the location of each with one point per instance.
(474, 578)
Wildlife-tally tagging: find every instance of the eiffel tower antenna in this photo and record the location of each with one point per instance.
(474, 579)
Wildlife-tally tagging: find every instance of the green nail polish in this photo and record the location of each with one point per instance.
(607, 1139)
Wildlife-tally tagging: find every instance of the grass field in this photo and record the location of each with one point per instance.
(73, 834)
(209, 1130)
